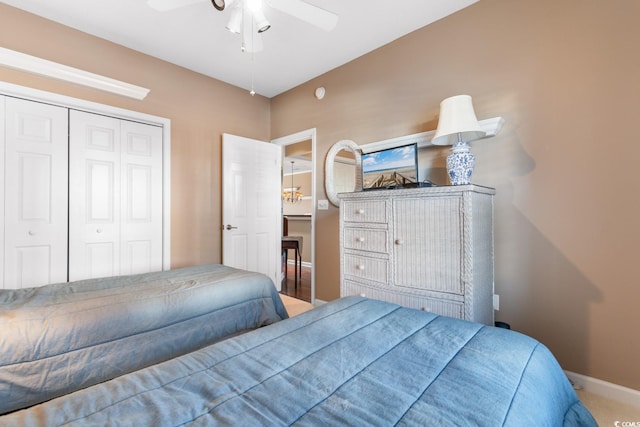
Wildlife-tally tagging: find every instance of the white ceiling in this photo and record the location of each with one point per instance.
(294, 52)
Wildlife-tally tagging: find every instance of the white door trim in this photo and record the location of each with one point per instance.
(23, 92)
(305, 135)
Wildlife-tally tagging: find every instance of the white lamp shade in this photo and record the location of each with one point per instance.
(457, 117)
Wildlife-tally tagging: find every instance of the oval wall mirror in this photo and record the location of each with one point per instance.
(342, 170)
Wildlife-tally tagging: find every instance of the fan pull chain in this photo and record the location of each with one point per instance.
(252, 92)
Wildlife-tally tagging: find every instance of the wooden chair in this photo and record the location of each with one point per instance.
(295, 243)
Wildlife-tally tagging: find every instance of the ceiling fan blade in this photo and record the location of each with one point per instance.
(165, 5)
(307, 12)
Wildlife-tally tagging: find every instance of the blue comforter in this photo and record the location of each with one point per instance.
(59, 338)
(351, 362)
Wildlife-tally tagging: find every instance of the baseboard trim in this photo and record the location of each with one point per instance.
(303, 263)
(606, 389)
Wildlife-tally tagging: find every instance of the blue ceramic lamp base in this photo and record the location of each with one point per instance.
(460, 164)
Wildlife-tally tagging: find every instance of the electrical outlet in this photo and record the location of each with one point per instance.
(323, 205)
(496, 302)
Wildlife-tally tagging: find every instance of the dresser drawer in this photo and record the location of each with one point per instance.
(366, 211)
(365, 239)
(362, 267)
(440, 306)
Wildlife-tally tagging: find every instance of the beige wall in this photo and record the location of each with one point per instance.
(564, 75)
(200, 109)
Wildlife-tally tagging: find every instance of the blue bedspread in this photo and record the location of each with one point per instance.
(351, 362)
(59, 338)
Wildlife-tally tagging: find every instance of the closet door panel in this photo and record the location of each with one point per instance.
(100, 191)
(141, 220)
(36, 177)
(100, 260)
(94, 192)
(116, 197)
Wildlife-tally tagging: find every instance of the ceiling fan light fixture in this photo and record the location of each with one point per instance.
(253, 5)
(261, 21)
(218, 4)
(235, 21)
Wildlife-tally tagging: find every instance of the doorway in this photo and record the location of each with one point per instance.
(300, 149)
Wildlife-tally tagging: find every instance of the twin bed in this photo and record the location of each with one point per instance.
(172, 348)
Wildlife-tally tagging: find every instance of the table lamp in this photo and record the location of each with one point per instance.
(457, 125)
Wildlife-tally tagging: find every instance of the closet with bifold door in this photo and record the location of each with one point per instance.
(80, 195)
(115, 196)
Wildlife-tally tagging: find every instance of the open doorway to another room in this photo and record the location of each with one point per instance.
(296, 220)
(298, 201)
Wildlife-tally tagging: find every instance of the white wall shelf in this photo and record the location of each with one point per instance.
(491, 126)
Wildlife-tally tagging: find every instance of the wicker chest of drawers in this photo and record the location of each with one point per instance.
(424, 248)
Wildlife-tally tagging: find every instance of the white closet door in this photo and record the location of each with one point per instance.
(35, 174)
(115, 214)
(94, 196)
(141, 203)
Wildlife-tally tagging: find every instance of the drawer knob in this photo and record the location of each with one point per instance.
(360, 239)
(399, 242)
(32, 233)
(360, 267)
(360, 211)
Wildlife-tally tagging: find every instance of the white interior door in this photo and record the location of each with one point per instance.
(251, 221)
(94, 192)
(115, 214)
(141, 204)
(35, 193)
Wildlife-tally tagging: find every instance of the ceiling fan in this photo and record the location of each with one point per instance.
(247, 16)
